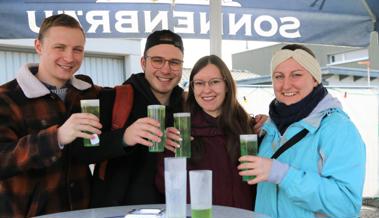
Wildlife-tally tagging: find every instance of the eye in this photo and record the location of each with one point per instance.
(278, 76)
(59, 47)
(296, 74)
(198, 83)
(175, 62)
(157, 60)
(214, 82)
(78, 50)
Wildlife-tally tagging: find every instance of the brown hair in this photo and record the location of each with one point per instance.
(63, 20)
(293, 47)
(233, 119)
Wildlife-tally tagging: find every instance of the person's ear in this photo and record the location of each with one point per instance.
(143, 63)
(315, 83)
(38, 46)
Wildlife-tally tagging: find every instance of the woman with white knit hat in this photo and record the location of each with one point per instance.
(321, 172)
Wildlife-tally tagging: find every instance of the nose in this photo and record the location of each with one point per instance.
(286, 83)
(166, 67)
(68, 55)
(207, 87)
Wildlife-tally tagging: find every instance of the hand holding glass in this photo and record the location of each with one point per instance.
(249, 146)
(157, 112)
(182, 122)
(91, 106)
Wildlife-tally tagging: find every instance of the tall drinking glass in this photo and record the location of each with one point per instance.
(175, 175)
(201, 193)
(157, 112)
(91, 106)
(249, 146)
(182, 122)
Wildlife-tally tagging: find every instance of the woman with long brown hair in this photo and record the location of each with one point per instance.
(217, 120)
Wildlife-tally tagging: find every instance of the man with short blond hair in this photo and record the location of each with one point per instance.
(42, 169)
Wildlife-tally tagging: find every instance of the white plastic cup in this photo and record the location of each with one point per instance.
(175, 173)
(201, 193)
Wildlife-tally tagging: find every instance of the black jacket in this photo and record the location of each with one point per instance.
(130, 179)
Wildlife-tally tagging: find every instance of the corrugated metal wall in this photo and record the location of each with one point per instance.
(104, 70)
(10, 62)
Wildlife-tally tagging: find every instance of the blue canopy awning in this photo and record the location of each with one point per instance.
(333, 22)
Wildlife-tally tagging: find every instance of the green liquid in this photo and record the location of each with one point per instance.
(92, 110)
(248, 148)
(202, 213)
(183, 124)
(158, 114)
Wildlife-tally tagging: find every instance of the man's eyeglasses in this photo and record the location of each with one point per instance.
(213, 83)
(158, 62)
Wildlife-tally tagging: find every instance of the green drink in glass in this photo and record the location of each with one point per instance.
(249, 146)
(182, 122)
(201, 193)
(91, 106)
(201, 213)
(157, 112)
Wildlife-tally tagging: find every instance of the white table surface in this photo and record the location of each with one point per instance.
(120, 211)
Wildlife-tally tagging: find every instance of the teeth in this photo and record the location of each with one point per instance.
(66, 67)
(289, 94)
(164, 79)
(208, 98)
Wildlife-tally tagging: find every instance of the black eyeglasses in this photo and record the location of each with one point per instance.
(158, 62)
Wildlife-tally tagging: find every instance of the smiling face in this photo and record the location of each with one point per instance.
(292, 82)
(61, 53)
(162, 81)
(209, 95)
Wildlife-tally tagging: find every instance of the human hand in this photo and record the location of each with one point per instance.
(259, 167)
(172, 139)
(79, 125)
(141, 131)
(260, 119)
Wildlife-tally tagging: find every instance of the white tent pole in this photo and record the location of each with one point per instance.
(215, 30)
(373, 50)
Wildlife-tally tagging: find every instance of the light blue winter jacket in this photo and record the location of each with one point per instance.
(320, 176)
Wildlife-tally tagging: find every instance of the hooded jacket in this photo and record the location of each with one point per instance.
(129, 180)
(325, 170)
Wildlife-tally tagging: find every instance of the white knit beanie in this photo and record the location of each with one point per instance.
(302, 57)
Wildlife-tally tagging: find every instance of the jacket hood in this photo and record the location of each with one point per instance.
(32, 87)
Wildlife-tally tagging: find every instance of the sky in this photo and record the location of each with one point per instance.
(194, 49)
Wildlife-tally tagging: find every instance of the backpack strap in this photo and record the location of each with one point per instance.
(122, 106)
(295, 139)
